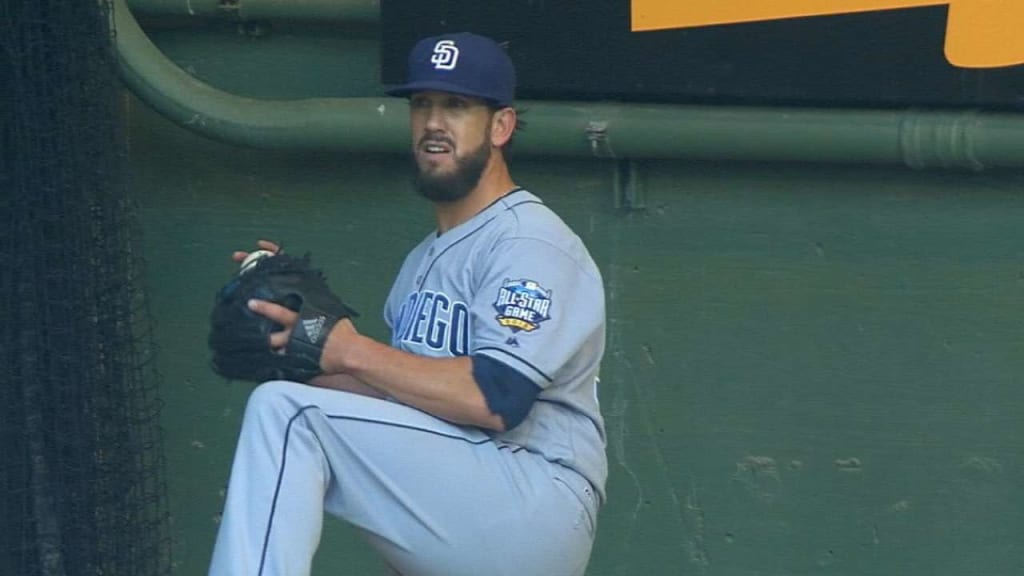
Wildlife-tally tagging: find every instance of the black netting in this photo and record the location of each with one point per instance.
(81, 471)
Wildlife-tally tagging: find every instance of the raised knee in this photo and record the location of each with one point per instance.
(271, 396)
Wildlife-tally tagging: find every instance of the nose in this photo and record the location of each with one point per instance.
(434, 118)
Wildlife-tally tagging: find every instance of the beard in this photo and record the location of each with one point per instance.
(457, 184)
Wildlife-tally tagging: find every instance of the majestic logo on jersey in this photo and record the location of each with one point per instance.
(445, 56)
(434, 320)
(522, 305)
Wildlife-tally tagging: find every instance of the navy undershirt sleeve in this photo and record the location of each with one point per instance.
(509, 394)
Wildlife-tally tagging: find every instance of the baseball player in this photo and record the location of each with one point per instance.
(471, 444)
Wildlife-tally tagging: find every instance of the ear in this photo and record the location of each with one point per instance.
(503, 124)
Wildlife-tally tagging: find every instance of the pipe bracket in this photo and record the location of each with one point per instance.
(600, 143)
(629, 192)
(933, 140)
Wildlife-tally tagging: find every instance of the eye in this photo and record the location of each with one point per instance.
(419, 102)
(455, 103)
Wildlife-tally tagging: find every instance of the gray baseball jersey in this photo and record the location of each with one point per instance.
(516, 284)
(434, 498)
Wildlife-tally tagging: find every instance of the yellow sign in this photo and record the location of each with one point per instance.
(979, 33)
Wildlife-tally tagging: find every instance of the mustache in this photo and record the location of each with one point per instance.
(436, 138)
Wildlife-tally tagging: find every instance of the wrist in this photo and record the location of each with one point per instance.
(335, 357)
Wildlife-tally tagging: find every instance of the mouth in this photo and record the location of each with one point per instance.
(433, 156)
(436, 146)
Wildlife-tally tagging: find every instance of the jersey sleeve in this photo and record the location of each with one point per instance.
(535, 306)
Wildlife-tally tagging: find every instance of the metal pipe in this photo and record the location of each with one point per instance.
(194, 8)
(363, 11)
(919, 139)
(357, 124)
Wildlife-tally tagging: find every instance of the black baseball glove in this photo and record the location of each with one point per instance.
(240, 338)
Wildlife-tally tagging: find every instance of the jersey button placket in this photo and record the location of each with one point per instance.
(424, 266)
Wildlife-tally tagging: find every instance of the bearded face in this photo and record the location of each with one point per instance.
(451, 136)
(448, 182)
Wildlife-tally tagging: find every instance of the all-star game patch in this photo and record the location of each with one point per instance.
(522, 305)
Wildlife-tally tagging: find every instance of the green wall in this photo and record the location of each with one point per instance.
(810, 370)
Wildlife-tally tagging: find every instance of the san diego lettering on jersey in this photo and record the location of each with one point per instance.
(434, 320)
(522, 305)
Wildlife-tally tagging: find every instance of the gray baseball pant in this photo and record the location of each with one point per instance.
(433, 498)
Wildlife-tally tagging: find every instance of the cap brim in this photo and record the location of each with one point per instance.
(439, 86)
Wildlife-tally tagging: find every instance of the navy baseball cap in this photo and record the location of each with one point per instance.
(461, 63)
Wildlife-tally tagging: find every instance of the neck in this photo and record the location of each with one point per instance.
(494, 183)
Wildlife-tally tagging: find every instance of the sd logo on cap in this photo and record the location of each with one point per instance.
(461, 63)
